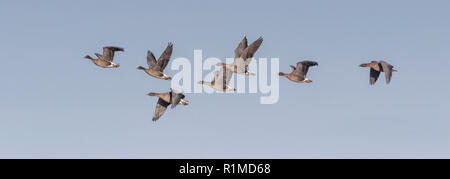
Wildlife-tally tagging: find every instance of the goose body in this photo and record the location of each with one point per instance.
(172, 98)
(376, 67)
(243, 55)
(221, 80)
(299, 72)
(156, 68)
(106, 59)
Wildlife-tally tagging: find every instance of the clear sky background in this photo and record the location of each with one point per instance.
(54, 103)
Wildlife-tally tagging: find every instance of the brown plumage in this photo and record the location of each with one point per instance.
(377, 67)
(156, 68)
(298, 73)
(221, 80)
(106, 60)
(243, 55)
(165, 99)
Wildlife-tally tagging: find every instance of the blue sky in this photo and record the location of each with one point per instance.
(55, 104)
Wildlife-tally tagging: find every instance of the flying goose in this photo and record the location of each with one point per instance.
(174, 98)
(221, 80)
(298, 73)
(156, 68)
(106, 60)
(377, 67)
(243, 55)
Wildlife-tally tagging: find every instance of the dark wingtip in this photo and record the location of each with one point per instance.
(260, 38)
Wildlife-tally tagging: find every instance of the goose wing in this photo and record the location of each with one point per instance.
(227, 75)
(248, 53)
(240, 48)
(164, 58)
(307, 64)
(303, 67)
(222, 77)
(293, 67)
(216, 77)
(175, 98)
(374, 74)
(387, 68)
(160, 108)
(151, 60)
(108, 52)
(299, 70)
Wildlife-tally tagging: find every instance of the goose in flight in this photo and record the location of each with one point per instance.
(298, 73)
(221, 80)
(377, 67)
(243, 55)
(106, 60)
(172, 98)
(156, 68)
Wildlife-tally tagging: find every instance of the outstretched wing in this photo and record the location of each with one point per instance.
(307, 64)
(293, 67)
(108, 52)
(387, 68)
(374, 74)
(240, 48)
(160, 108)
(216, 77)
(299, 70)
(164, 58)
(151, 60)
(240, 65)
(175, 98)
(302, 68)
(227, 76)
(223, 77)
(248, 53)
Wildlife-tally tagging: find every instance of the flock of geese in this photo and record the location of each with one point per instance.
(243, 55)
